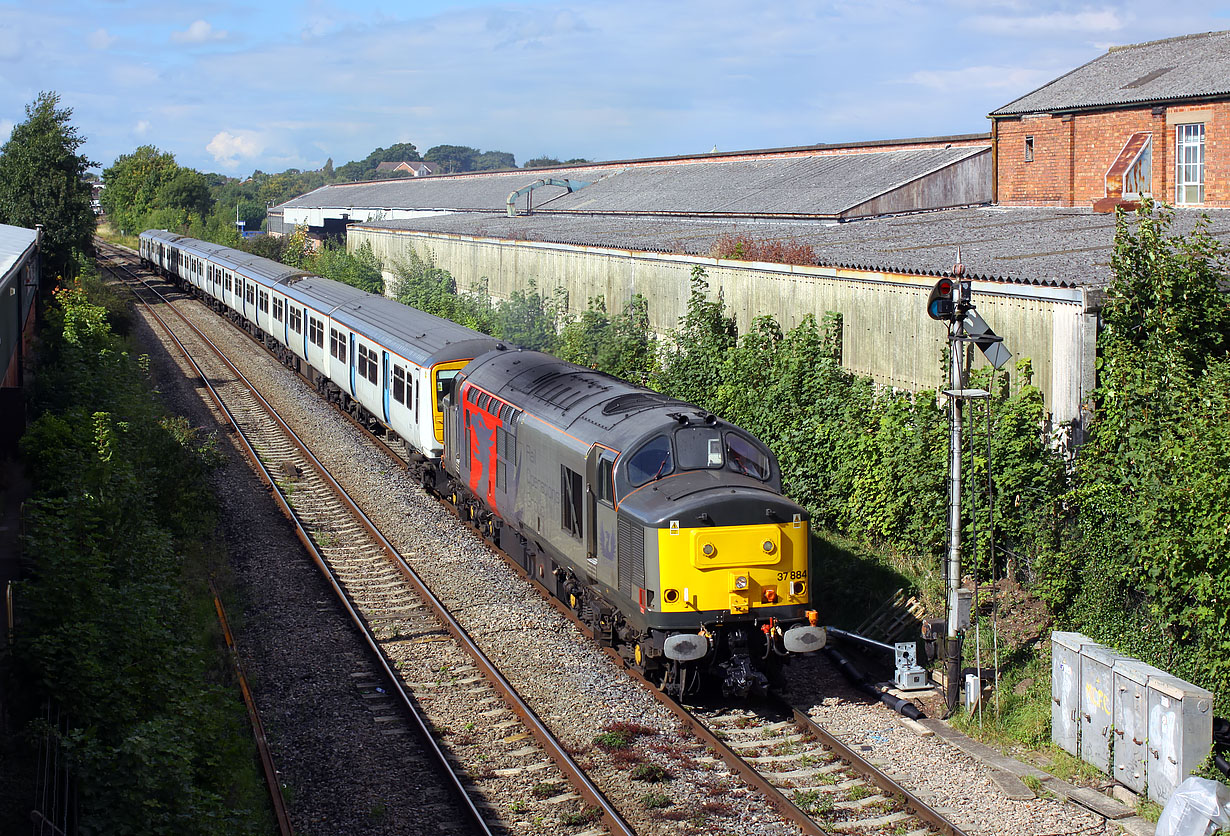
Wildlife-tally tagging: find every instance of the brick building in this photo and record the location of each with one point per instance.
(1149, 119)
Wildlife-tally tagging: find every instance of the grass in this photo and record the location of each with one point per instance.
(547, 789)
(576, 818)
(650, 773)
(656, 801)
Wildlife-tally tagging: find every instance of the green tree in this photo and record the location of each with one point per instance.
(186, 191)
(42, 181)
(452, 158)
(494, 160)
(542, 162)
(1149, 569)
(132, 184)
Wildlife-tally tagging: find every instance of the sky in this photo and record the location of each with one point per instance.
(235, 87)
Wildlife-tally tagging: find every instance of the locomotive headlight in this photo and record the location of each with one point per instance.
(741, 582)
(768, 546)
(797, 587)
(670, 596)
(708, 550)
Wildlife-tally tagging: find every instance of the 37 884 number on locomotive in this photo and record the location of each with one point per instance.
(661, 525)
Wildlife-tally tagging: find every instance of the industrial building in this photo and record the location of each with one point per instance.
(884, 220)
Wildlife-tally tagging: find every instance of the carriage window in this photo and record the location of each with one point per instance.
(399, 385)
(651, 461)
(228, 282)
(745, 457)
(444, 385)
(337, 345)
(278, 309)
(570, 494)
(264, 297)
(296, 319)
(369, 367)
(249, 293)
(316, 332)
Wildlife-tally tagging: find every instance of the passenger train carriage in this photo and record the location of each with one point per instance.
(659, 524)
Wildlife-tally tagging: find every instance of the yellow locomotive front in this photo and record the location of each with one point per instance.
(726, 586)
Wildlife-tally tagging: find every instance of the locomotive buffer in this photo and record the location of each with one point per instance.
(950, 302)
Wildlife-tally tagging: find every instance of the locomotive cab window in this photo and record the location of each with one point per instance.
(745, 457)
(699, 448)
(651, 461)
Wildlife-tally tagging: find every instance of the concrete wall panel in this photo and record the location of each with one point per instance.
(886, 332)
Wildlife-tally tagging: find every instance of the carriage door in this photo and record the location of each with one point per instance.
(600, 509)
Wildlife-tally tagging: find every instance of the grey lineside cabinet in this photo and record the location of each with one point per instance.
(1146, 728)
(1066, 689)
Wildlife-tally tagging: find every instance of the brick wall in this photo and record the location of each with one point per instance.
(1072, 154)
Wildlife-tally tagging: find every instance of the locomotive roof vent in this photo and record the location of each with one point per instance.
(634, 402)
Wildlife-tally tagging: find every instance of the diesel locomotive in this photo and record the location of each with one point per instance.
(662, 526)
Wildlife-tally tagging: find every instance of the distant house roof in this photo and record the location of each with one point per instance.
(415, 165)
(1169, 70)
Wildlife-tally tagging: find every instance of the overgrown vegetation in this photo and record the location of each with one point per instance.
(747, 248)
(42, 181)
(110, 632)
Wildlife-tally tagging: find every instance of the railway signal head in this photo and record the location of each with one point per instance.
(940, 304)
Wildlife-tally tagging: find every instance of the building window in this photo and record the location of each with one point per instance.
(1189, 163)
(1029, 149)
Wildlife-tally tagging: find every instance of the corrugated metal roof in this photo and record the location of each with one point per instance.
(820, 185)
(1039, 246)
(1186, 67)
(14, 240)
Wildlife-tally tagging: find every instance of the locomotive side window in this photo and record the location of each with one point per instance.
(296, 319)
(337, 345)
(651, 461)
(570, 493)
(316, 332)
(745, 457)
(605, 489)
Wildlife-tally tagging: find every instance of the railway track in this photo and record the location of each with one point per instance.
(811, 778)
(426, 657)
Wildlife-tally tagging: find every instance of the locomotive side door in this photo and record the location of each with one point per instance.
(601, 525)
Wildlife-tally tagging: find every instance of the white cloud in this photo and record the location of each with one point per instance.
(198, 33)
(984, 78)
(141, 128)
(1100, 21)
(227, 147)
(6, 129)
(100, 39)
